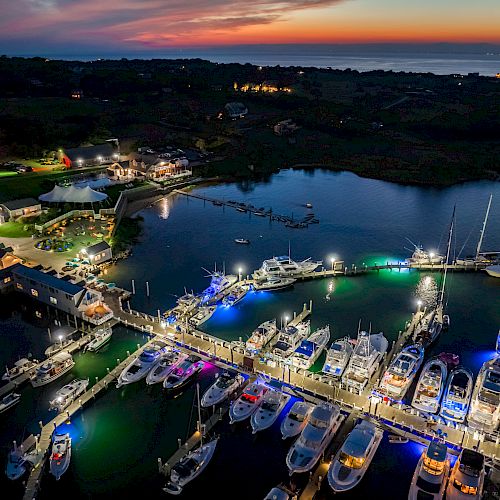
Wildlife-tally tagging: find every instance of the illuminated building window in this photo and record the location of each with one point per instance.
(53, 300)
(34, 292)
(7, 280)
(19, 286)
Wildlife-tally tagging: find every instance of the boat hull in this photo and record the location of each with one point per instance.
(45, 381)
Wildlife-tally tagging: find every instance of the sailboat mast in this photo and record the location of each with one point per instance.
(441, 298)
(480, 242)
(199, 412)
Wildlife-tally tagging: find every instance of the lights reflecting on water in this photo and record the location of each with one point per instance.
(164, 205)
(426, 291)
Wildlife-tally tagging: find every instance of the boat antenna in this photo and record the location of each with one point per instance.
(480, 242)
(216, 267)
(289, 251)
(441, 298)
(359, 325)
(370, 328)
(411, 242)
(199, 412)
(223, 267)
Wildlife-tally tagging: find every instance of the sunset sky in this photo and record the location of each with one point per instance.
(35, 26)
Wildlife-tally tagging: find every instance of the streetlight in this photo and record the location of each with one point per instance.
(332, 260)
(60, 339)
(240, 270)
(286, 320)
(419, 305)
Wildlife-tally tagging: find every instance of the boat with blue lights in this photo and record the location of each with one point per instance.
(284, 266)
(456, 397)
(296, 419)
(183, 373)
(219, 282)
(221, 389)
(498, 343)
(430, 386)
(17, 465)
(269, 408)
(203, 314)
(164, 365)
(236, 295)
(467, 477)
(337, 357)
(288, 339)
(247, 403)
(61, 455)
(68, 393)
(260, 337)
(310, 349)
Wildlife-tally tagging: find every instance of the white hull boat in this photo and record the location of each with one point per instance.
(467, 477)
(430, 386)
(221, 389)
(68, 393)
(57, 347)
(354, 457)
(61, 455)
(310, 349)
(457, 394)
(493, 271)
(273, 284)
(9, 401)
(138, 368)
(284, 266)
(280, 493)
(21, 366)
(270, 406)
(183, 373)
(431, 325)
(247, 403)
(218, 283)
(260, 337)
(337, 357)
(296, 419)
(52, 369)
(323, 423)
(165, 364)
(288, 339)
(203, 314)
(420, 256)
(237, 294)
(101, 338)
(188, 301)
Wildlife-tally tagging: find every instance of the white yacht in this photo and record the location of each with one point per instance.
(221, 389)
(204, 313)
(467, 477)
(365, 359)
(188, 301)
(431, 473)
(52, 369)
(398, 377)
(289, 338)
(296, 419)
(57, 347)
(272, 284)
(9, 401)
(139, 367)
(190, 467)
(270, 406)
(61, 455)
(457, 394)
(354, 457)
(101, 338)
(337, 357)
(164, 365)
(323, 423)
(420, 256)
(261, 336)
(17, 464)
(68, 393)
(218, 283)
(281, 492)
(247, 403)
(430, 386)
(236, 295)
(310, 349)
(484, 412)
(183, 373)
(429, 328)
(284, 266)
(21, 366)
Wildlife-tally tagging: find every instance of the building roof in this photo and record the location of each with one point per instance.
(22, 203)
(89, 152)
(46, 279)
(98, 247)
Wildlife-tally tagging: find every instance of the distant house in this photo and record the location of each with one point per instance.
(12, 210)
(88, 156)
(285, 127)
(127, 170)
(98, 253)
(77, 94)
(235, 109)
(170, 169)
(7, 259)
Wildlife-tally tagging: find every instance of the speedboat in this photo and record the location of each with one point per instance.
(296, 419)
(68, 393)
(9, 401)
(457, 395)
(21, 366)
(365, 359)
(284, 266)
(101, 338)
(261, 336)
(354, 457)
(271, 284)
(183, 373)
(57, 347)
(242, 241)
(190, 467)
(310, 349)
(401, 372)
(203, 314)
(289, 338)
(323, 423)
(17, 464)
(221, 389)
(52, 369)
(61, 455)
(420, 256)
(247, 403)
(430, 386)
(431, 473)
(467, 476)
(270, 406)
(218, 283)
(484, 412)
(163, 366)
(237, 294)
(337, 357)
(429, 328)
(138, 368)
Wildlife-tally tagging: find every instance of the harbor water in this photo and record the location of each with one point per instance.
(119, 437)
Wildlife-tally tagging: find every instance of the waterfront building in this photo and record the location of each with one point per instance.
(88, 156)
(12, 210)
(97, 253)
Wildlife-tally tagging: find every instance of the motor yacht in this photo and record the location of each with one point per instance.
(431, 473)
(164, 365)
(139, 367)
(398, 377)
(101, 338)
(284, 266)
(236, 295)
(183, 373)
(337, 357)
(289, 338)
(296, 419)
(430, 386)
(323, 423)
(457, 394)
(310, 349)
(52, 369)
(261, 336)
(484, 412)
(247, 403)
(467, 477)
(21, 366)
(218, 283)
(204, 313)
(354, 457)
(61, 455)
(188, 301)
(68, 393)
(221, 389)
(272, 284)
(269, 408)
(9, 401)
(420, 256)
(365, 359)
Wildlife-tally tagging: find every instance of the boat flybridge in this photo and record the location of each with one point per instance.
(61, 455)
(431, 473)
(467, 477)
(400, 374)
(68, 393)
(310, 349)
(260, 337)
(289, 338)
(296, 419)
(354, 457)
(236, 295)
(221, 389)
(52, 369)
(284, 266)
(430, 386)
(484, 412)
(457, 394)
(337, 357)
(269, 408)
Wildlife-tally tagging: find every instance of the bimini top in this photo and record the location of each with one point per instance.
(306, 348)
(72, 194)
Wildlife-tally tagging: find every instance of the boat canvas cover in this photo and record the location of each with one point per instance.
(306, 348)
(471, 462)
(61, 357)
(72, 194)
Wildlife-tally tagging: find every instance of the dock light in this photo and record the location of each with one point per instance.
(287, 318)
(419, 304)
(60, 338)
(240, 270)
(431, 255)
(332, 261)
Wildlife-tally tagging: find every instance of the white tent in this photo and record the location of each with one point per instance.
(72, 194)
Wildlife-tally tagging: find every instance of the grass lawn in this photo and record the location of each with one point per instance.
(13, 230)
(7, 174)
